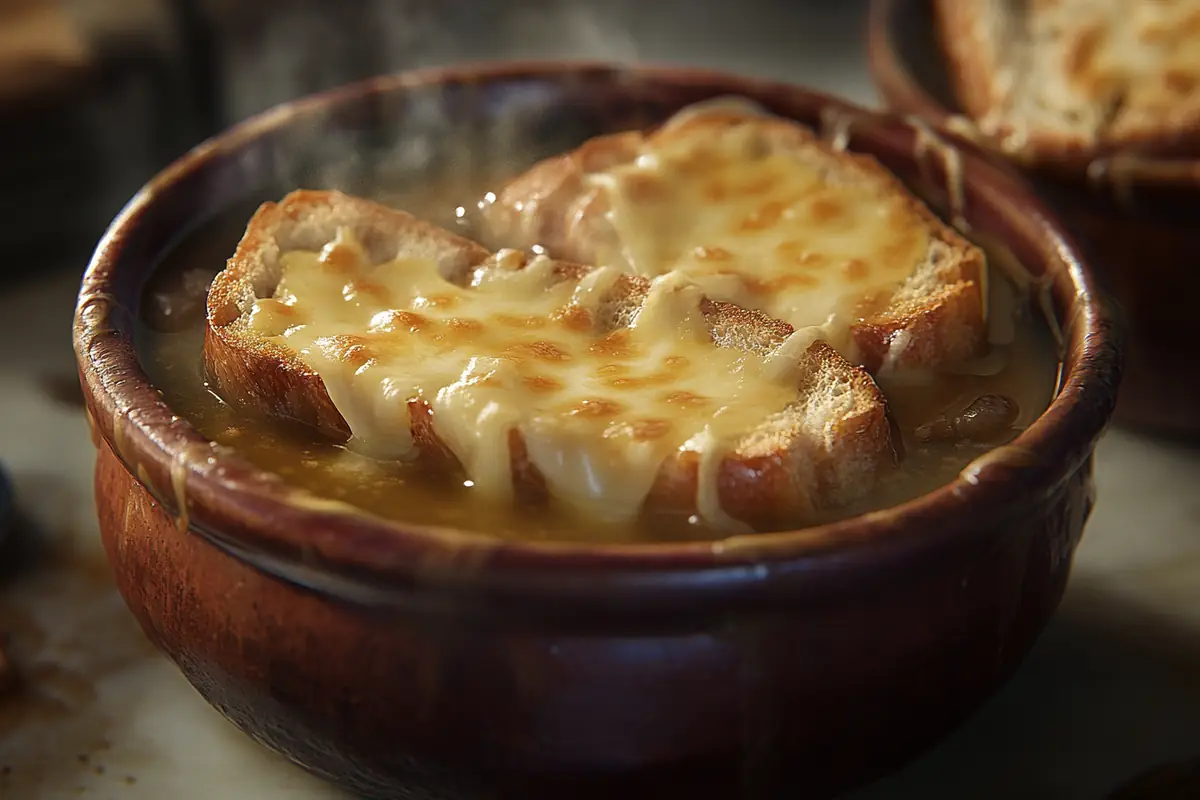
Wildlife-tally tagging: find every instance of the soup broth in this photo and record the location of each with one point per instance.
(923, 407)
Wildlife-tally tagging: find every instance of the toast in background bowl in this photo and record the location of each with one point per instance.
(761, 212)
(1067, 81)
(536, 378)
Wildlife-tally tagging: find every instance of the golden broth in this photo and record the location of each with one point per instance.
(171, 341)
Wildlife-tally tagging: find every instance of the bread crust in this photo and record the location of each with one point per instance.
(782, 471)
(995, 63)
(941, 307)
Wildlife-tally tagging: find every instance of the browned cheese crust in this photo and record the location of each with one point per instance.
(941, 306)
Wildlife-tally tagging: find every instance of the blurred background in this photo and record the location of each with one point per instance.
(98, 95)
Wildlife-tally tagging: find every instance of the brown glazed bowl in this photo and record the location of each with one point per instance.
(1135, 219)
(406, 661)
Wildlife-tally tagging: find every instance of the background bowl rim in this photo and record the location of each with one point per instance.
(906, 93)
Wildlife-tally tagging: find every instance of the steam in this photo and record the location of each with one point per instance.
(301, 48)
(460, 139)
(570, 31)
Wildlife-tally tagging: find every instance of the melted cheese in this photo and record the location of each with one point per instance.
(1093, 67)
(712, 450)
(759, 228)
(519, 349)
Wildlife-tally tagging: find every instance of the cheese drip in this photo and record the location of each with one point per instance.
(759, 228)
(599, 410)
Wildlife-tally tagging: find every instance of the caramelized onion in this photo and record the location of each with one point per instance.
(985, 418)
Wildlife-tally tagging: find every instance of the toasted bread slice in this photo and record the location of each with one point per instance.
(1068, 81)
(763, 213)
(821, 447)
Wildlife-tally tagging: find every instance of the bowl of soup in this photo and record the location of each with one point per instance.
(396, 637)
(1130, 207)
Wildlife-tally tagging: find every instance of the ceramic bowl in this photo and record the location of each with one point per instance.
(1133, 217)
(407, 661)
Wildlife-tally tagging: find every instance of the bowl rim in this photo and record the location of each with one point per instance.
(904, 92)
(258, 518)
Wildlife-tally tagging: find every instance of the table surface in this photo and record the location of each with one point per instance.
(1111, 689)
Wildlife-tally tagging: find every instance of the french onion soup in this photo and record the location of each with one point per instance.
(723, 326)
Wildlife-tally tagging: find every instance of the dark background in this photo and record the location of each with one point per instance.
(97, 95)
